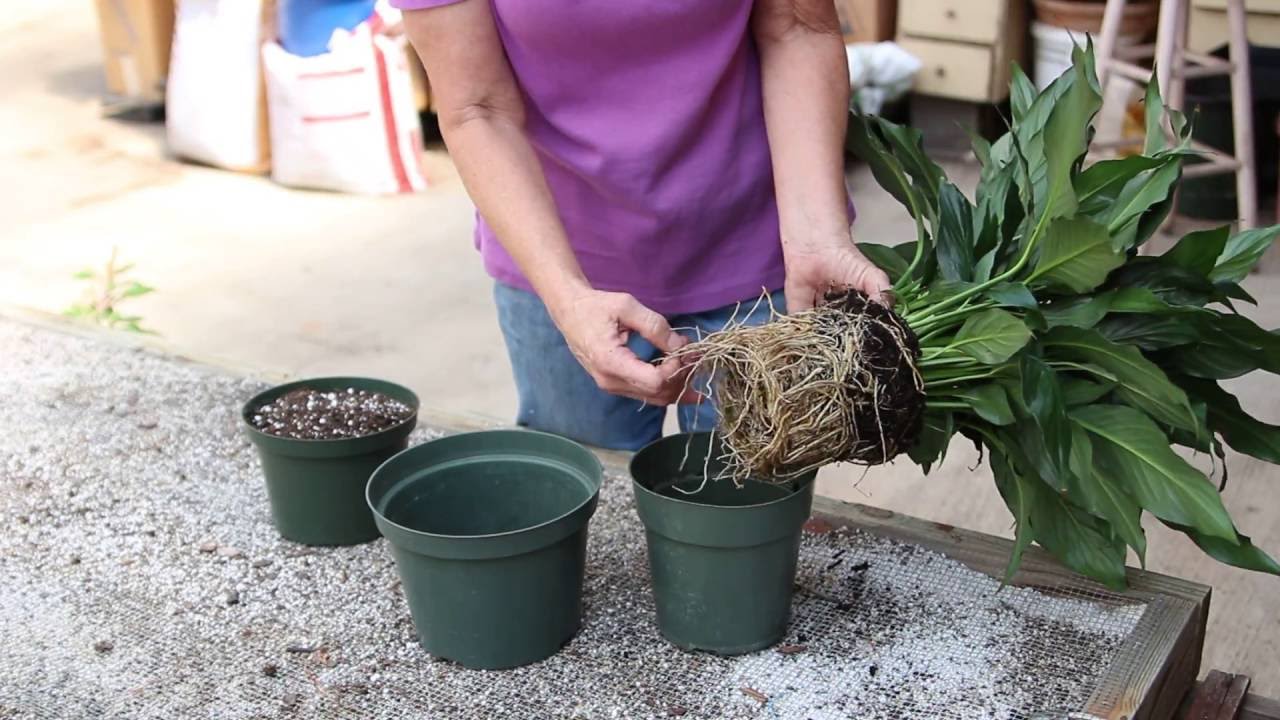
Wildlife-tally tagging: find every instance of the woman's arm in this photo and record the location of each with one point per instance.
(806, 108)
(481, 116)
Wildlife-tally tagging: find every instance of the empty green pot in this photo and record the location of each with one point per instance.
(722, 558)
(489, 534)
(316, 487)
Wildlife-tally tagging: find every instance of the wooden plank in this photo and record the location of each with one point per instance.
(1257, 707)
(1224, 696)
(1208, 698)
(1178, 675)
(1234, 701)
(1150, 673)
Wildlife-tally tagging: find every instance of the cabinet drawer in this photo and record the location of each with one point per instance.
(952, 70)
(978, 21)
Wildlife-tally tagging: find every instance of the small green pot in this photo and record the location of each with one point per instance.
(317, 487)
(722, 558)
(489, 534)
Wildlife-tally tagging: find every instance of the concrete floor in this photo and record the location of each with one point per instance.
(254, 276)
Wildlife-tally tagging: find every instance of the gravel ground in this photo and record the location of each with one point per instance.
(140, 577)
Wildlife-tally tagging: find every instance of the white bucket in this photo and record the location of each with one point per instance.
(1053, 50)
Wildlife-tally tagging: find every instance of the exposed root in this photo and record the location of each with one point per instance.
(838, 383)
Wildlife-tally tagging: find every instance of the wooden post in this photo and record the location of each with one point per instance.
(1111, 18)
(1242, 117)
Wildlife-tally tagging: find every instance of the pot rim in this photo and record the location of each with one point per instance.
(800, 481)
(275, 391)
(594, 480)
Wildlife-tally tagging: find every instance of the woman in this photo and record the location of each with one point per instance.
(639, 169)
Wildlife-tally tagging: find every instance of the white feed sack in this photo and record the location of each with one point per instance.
(346, 120)
(214, 108)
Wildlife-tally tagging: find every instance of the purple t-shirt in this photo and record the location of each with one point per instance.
(647, 117)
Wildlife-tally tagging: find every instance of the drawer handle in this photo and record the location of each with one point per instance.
(940, 71)
(951, 14)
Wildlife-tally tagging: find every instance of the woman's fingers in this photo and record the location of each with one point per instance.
(651, 325)
(597, 327)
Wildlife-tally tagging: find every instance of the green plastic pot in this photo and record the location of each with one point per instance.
(722, 558)
(489, 534)
(316, 487)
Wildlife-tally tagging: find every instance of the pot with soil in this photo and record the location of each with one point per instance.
(319, 441)
(722, 554)
(489, 534)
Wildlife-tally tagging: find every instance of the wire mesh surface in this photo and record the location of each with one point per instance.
(140, 577)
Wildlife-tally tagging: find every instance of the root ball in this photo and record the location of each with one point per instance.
(838, 383)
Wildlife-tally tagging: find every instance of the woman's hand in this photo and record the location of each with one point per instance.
(816, 267)
(597, 324)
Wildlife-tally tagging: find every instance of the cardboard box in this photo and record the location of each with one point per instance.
(136, 38)
(866, 21)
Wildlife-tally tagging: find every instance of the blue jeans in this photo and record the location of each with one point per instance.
(558, 396)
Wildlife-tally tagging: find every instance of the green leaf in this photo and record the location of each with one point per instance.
(1102, 495)
(137, 289)
(1234, 291)
(982, 270)
(1077, 391)
(1050, 441)
(1139, 195)
(1130, 447)
(862, 141)
(935, 436)
(954, 234)
(1076, 254)
(981, 148)
(1103, 180)
(988, 401)
(1148, 332)
(1171, 284)
(907, 145)
(1229, 346)
(1142, 300)
(1212, 360)
(1013, 488)
(1012, 294)
(1081, 312)
(1244, 555)
(1066, 139)
(1154, 114)
(1142, 383)
(1022, 93)
(1197, 252)
(885, 258)
(1243, 432)
(1081, 541)
(1242, 253)
(85, 274)
(991, 337)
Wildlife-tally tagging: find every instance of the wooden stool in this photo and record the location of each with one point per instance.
(1174, 63)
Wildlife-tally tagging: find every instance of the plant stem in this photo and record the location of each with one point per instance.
(944, 405)
(956, 380)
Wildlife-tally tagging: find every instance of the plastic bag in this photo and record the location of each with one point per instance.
(214, 109)
(346, 120)
(879, 73)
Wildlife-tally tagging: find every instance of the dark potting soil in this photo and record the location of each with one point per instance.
(898, 419)
(307, 414)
